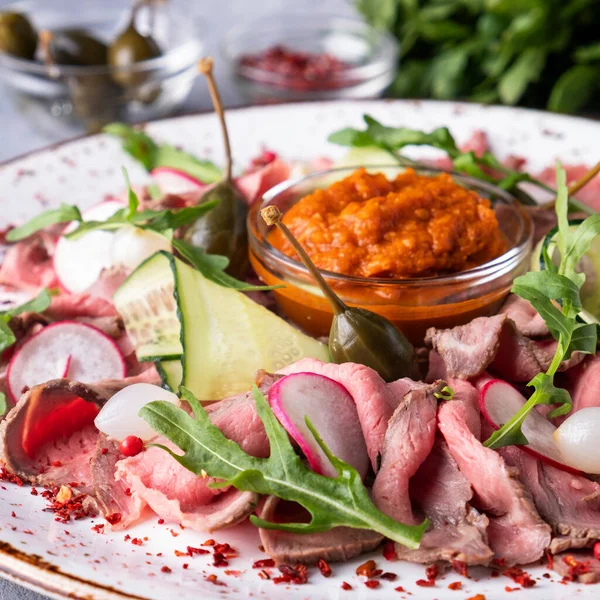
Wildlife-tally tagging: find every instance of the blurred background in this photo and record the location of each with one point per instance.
(70, 66)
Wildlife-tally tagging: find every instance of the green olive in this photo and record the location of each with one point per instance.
(17, 35)
(129, 48)
(75, 47)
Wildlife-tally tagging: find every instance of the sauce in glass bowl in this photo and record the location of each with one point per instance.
(440, 269)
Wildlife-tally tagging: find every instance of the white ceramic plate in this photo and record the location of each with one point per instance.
(74, 561)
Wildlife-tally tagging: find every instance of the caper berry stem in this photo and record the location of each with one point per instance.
(272, 216)
(205, 66)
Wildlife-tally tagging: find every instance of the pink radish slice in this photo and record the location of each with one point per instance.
(331, 410)
(94, 356)
(173, 181)
(499, 402)
(78, 263)
(63, 366)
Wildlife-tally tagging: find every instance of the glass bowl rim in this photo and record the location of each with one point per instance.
(493, 267)
(384, 61)
(187, 51)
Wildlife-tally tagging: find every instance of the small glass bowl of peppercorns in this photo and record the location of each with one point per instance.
(72, 64)
(310, 57)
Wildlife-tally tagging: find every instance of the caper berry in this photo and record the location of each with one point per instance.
(75, 47)
(17, 35)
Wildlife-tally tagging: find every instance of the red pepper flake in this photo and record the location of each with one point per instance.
(389, 576)
(28, 531)
(519, 576)
(297, 574)
(99, 528)
(576, 567)
(372, 583)
(10, 477)
(432, 572)
(13, 514)
(597, 550)
(550, 560)
(499, 562)
(174, 533)
(113, 518)
(546, 575)
(389, 551)
(367, 569)
(159, 554)
(128, 492)
(232, 573)
(192, 551)
(455, 585)
(33, 492)
(104, 451)
(477, 597)
(225, 549)
(425, 583)
(460, 567)
(137, 542)
(509, 589)
(161, 521)
(323, 567)
(165, 569)
(56, 463)
(185, 565)
(210, 542)
(264, 563)
(127, 537)
(346, 586)
(264, 575)
(64, 504)
(212, 578)
(179, 553)
(219, 560)
(399, 589)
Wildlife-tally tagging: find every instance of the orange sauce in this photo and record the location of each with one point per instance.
(412, 226)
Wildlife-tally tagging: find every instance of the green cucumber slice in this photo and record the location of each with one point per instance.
(171, 374)
(147, 302)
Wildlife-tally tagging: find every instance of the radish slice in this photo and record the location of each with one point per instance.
(131, 246)
(120, 418)
(577, 439)
(174, 181)
(78, 263)
(63, 367)
(332, 411)
(94, 356)
(500, 401)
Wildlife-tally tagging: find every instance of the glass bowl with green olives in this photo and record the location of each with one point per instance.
(70, 67)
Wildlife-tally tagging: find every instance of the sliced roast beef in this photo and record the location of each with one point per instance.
(375, 400)
(569, 503)
(408, 441)
(109, 387)
(585, 383)
(516, 532)
(337, 544)
(577, 566)
(527, 320)
(178, 495)
(494, 343)
(111, 497)
(71, 306)
(458, 531)
(49, 437)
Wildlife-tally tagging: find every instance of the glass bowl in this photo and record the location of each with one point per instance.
(58, 97)
(370, 57)
(413, 305)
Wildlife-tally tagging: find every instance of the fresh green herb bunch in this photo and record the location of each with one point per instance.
(537, 53)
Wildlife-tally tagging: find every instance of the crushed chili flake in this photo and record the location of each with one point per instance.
(389, 576)
(179, 553)
(67, 509)
(185, 565)
(33, 492)
(425, 582)
(113, 518)
(263, 563)
(264, 575)
(219, 560)
(499, 562)
(98, 528)
(137, 542)
(460, 567)
(161, 521)
(104, 451)
(389, 551)
(165, 569)
(56, 463)
(225, 549)
(550, 559)
(13, 514)
(324, 567)
(212, 578)
(128, 492)
(297, 574)
(399, 589)
(509, 589)
(546, 575)
(432, 572)
(519, 576)
(346, 586)
(6, 475)
(192, 551)
(174, 533)
(455, 585)
(232, 573)
(477, 597)
(367, 569)
(576, 567)
(372, 583)
(210, 542)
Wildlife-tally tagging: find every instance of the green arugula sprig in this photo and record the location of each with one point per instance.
(151, 155)
(331, 501)
(394, 139)
(555, 294)
(38, 304)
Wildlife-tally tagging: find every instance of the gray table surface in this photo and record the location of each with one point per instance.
(19, 136)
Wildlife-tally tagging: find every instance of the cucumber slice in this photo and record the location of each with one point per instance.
(225, 336)
(171, 373)
(146, 301)
(589, 264)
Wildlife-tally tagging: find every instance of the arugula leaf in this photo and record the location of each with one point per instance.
(151, 155)
(7, 337)
(3, 405)
(212, 266)
(331, 501)
(65, 213)
(132, 199)
(555, 294)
